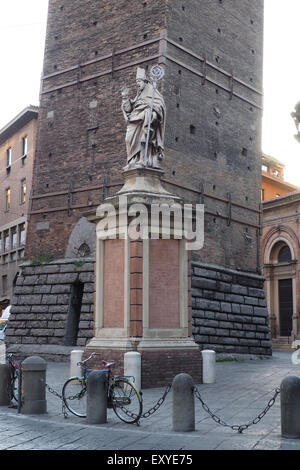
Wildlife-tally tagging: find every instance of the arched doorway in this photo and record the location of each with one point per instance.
(280, 273)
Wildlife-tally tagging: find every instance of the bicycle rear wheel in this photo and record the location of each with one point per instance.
(74, 396)
(126, 400)
(15, 385)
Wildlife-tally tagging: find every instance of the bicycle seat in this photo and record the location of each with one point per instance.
(108, 364)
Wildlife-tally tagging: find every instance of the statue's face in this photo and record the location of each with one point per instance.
(140, 84)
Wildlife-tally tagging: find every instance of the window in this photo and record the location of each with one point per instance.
(8, 157)
(8, 161)
(21, 254)
(1, 243)
(23, 190)
(285, 254)
(7, 199)
(264, 168)
(4, 285)
(13, 256)
(262, 194)
(21, 234)
(6, 240)
(14, 240)
(5, 259)
(24, 150)
(24, 146)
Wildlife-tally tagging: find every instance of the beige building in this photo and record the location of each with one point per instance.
(281, 262)
(17, 149)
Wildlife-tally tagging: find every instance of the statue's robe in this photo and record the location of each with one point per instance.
(137, 128)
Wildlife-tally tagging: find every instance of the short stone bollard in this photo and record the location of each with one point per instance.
(4, 385)
(75, 357)
(96, 397)
(208, 367)
(183, 403)
(132, 367)
(290, 407)
(34, 385)
(2, 353)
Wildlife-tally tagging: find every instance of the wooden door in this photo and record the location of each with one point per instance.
(286, 306)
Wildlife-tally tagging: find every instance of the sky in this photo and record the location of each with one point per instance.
(22, 39)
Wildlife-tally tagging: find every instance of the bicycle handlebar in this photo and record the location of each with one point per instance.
(81, 363)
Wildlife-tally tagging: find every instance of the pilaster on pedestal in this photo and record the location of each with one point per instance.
(143, 294)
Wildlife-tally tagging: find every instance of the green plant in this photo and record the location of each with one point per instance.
(79, 263)
(41, 259)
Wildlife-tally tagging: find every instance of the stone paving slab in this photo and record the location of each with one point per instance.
(242, 391)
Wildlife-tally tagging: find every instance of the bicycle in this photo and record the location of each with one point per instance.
(14, 378)
(122, 395)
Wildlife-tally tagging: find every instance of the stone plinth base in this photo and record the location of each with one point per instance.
(159, 367)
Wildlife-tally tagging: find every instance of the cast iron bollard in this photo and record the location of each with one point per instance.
(4, 384)
(290, 407)
(132, 367)
(183, 403)
(96, 398)
(34, 383)
(209, 367)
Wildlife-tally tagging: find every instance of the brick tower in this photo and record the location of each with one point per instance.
(212, 54)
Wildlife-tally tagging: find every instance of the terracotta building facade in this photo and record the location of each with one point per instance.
(273, 183)
(212, 55)
(17, 150)
(281, 254)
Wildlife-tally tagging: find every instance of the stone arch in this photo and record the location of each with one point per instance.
(82, 240)
(281, 234)
(281, 280)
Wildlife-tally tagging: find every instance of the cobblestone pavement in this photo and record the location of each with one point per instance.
(242, 391)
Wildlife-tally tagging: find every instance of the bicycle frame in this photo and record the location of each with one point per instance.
(109, 377)
(15, 374)
(122, 394)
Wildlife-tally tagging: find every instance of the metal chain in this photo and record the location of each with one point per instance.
(239, 428)
(158, 404)
(151, 410)
(58, 395)
(148, 413)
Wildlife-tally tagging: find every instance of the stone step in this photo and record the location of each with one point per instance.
(282, 343)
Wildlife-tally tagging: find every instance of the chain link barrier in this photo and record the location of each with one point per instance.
(161, 400)
(147, 414)
(239, 428)
(58, 395)
(158, 404)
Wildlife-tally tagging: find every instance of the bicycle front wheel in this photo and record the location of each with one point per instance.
(74, 396)
(126, 400)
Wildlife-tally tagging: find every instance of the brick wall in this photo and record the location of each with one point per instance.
(213, 114)
(158, 367)
(212, 54)
(81, 128)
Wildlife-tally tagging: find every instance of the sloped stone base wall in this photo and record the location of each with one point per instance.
(229, 311)
(40, 306)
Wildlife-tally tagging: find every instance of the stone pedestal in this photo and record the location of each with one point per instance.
(143, 296)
